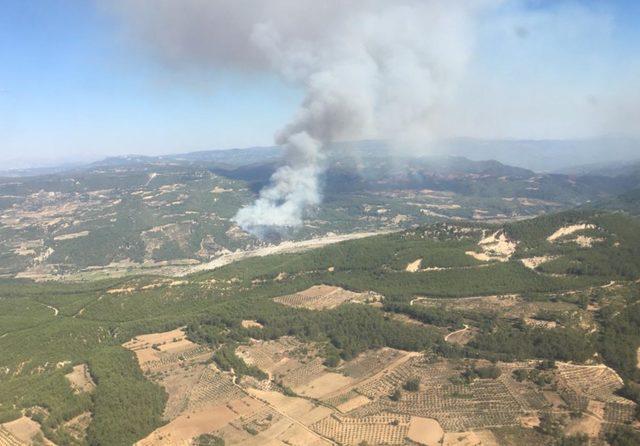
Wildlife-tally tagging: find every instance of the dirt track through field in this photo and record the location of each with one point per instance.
(284, 414)
(55, 310)
(447, 337)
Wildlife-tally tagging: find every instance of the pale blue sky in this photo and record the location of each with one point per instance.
(72, 86)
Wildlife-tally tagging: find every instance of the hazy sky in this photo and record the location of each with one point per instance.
(74, 83)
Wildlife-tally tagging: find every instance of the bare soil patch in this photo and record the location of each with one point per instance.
(534, 262)
(80, 379)
(71, 236)
(530, 421)
(414, 266)
(425, 431)
(326, 384)
(302, 410)
(353, 403)
(251, 324)
(189, 425)
(26, 430)
(568, 230)
(586, 424)
(495, 247)
(539, 323)
(477, 438)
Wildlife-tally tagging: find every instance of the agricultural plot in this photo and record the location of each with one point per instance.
(370, 362)
(294, 365)
(158, 351)
(273, 357)
(383, 428)
(458, 407)
(8, 439)
(324, 297)
(592, 388)
(202, 399)
(364, 411)
(23, 431)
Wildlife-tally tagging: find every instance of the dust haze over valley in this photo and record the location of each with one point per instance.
(440, 246)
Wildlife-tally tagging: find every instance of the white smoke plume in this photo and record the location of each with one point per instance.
(369, 68)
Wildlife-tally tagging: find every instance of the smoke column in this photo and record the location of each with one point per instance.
(369, 69)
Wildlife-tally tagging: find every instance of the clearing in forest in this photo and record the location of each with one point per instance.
(568, 230)
(251, 324)
(324, 297)
(80, 379)
(157, 349)
(495, 247)
(414, 266)
(534, 262)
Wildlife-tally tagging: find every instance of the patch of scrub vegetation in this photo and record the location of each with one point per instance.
(519, 342)
(614, 249)
(126, 405)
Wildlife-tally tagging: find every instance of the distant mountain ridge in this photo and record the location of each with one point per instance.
(575, 157)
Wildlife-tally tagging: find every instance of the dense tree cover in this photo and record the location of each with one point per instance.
(126, 405)
(532, 234)
(412, 384)
(50, 391)
(440, 315)
(489, 372)
(396, 395)
(623, 436)
(350, 328)
(372, 264)
(619, 339)
(353, 329)
(628, 202)
(523, 342)
(497, 278)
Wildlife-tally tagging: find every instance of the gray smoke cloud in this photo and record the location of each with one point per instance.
(369, 69)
